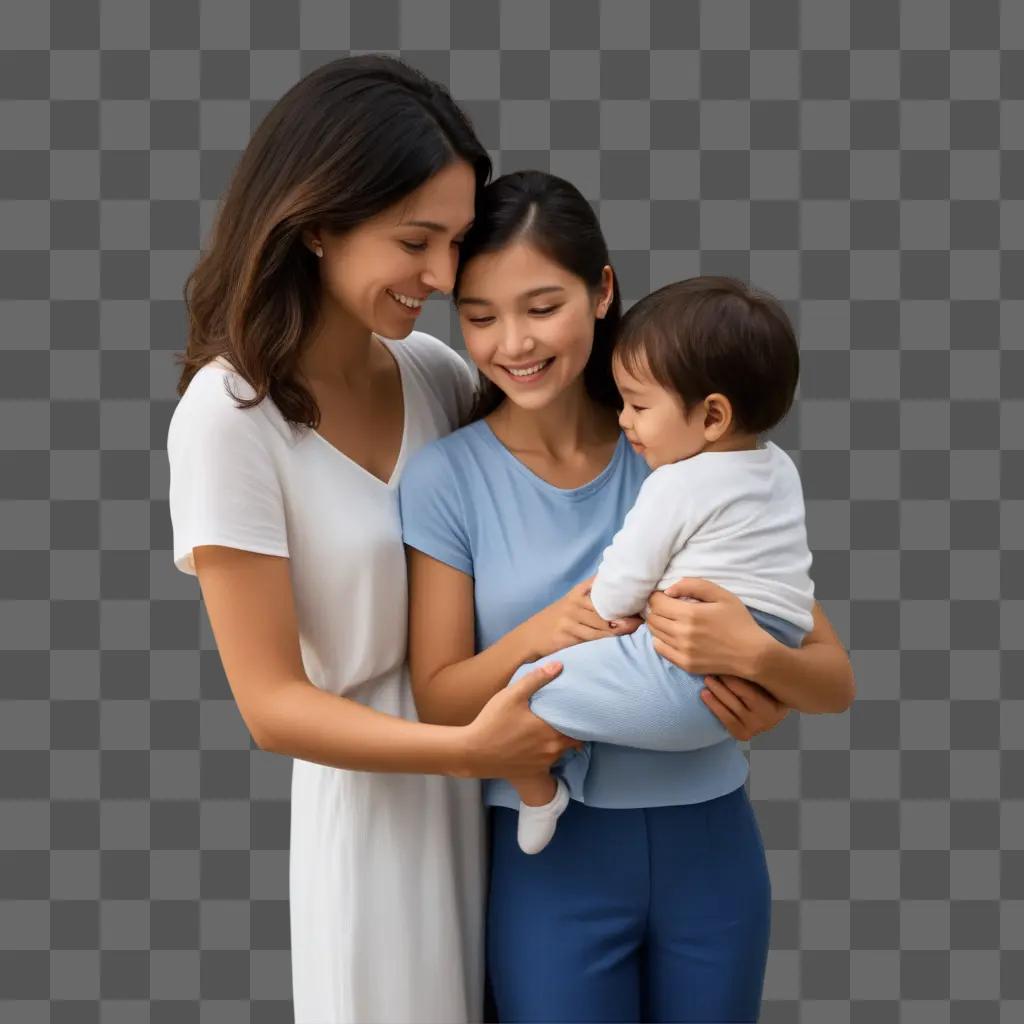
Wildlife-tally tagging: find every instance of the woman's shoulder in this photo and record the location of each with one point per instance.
(214, 387)
(210, 405)
(451, 446)
(447, 459)
(444, 372)
(430, 352)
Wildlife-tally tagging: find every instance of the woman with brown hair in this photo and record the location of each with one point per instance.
(298, 413)
(295, 420)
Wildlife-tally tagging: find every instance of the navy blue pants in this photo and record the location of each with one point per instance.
(654, 914)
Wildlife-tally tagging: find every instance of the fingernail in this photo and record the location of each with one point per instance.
(553, 667)
(614, 625)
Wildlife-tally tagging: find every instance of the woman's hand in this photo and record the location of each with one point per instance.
(711, 633)
(571, 620)
(507, 740)
(743, 707)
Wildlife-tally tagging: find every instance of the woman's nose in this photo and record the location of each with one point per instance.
(516, 343)
(440, 273)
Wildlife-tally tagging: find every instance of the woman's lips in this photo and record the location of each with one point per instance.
(544, 364)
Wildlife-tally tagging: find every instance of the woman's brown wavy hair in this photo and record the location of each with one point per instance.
(347, 141)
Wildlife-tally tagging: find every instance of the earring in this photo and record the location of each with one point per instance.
(318, 249)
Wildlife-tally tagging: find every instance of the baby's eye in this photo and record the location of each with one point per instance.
(480, 321)
(639, 408)
(543, 311)
(414, 246)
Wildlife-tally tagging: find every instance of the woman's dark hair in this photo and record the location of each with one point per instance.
(551, 215)
(347, 141)
(709, 334)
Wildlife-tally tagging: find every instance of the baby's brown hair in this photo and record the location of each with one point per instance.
(708, 334)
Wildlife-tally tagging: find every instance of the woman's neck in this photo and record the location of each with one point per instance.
(571, 424)
(340, 350)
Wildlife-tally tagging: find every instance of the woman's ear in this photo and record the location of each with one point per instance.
(311, 240)
(607, 292)
(717, 416)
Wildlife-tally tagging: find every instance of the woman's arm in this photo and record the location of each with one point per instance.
(449, 682)
(816, 677)
(251, 606)
(715, 634)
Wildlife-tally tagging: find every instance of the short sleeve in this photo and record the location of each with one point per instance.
(451, 378)
(466, 381)
(224, 486)
(433, 519)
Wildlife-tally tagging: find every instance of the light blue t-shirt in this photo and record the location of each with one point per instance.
(467, 501)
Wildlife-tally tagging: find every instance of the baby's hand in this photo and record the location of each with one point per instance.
(630, 624)
(572, 620)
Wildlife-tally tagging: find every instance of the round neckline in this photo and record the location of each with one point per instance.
(572, 493)
(762, 450)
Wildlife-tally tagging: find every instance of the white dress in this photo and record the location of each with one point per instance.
(386, 871)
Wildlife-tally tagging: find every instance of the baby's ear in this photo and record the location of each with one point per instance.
(718, 417)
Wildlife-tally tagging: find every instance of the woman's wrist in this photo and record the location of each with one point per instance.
(459, 757)
(784, 673)
(522, 643)
(759, 658)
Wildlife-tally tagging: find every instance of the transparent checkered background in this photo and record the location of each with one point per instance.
(863, 160)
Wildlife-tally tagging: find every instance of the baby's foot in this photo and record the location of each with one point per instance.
(537, 824)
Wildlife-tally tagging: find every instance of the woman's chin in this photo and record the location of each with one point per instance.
(530, 402)
(392, 331)
(531, 398)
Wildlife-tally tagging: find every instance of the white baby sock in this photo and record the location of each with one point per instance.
(537, 824)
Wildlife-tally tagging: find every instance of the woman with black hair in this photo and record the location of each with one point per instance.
(652, 902)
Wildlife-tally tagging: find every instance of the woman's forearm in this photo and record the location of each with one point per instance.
(305, 722)
(816, 678)
(455, 694)
(716, 635)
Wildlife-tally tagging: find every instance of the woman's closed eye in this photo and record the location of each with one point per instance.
(483, 321)
(422, 246)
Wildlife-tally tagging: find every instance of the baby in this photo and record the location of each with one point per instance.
(704, 366)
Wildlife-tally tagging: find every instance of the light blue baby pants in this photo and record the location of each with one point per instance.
(620, 690)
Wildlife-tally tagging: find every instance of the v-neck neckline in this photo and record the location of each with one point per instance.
(400, 458)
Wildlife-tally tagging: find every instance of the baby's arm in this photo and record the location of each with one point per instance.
(635, 561)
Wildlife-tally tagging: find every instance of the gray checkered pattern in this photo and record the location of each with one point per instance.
(862, 159)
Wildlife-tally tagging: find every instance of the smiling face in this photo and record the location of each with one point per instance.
(528, 322)
(656, 423)
(377, 275)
